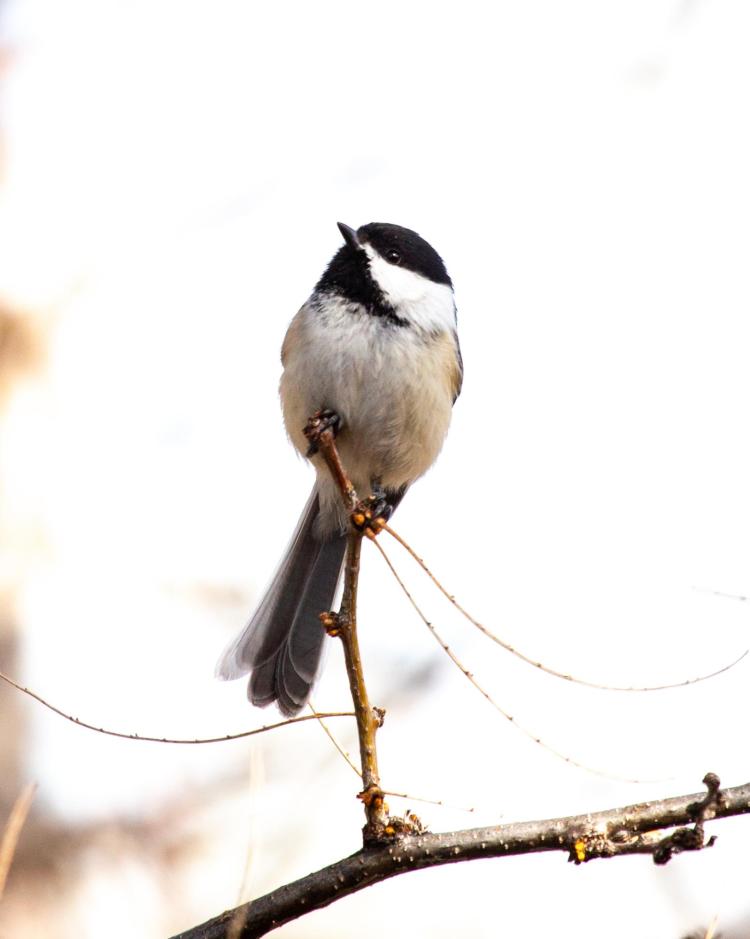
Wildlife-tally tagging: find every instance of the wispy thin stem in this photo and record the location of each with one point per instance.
(329, 733)
(144, 738)
(721, 593)
(485, 694)
(535, 663)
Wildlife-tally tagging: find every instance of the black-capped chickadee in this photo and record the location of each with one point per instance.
(376, 346)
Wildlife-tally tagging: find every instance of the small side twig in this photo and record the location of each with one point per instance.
(629, 839)
(693, 839)
(388, 792)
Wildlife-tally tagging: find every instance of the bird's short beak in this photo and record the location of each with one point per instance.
(349, 235)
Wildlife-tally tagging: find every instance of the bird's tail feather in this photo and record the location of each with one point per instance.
(282, 644)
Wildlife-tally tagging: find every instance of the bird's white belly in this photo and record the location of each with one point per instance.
(391, 386)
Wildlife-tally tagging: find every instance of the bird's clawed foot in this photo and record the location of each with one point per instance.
(370, 516)
(322, 420)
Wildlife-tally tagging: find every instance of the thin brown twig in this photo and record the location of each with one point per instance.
(12, 831)
(535, 663)
(440, 802)
(386, 792)
(328, 732)
(485, 694)
(191, 741)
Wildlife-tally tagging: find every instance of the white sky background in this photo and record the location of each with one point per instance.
(175, 174)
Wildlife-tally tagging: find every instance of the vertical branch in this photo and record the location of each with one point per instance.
(369, 719)
(344, 625)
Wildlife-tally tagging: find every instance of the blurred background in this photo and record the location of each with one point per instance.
(170, 179)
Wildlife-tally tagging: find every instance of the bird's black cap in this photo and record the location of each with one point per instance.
(414, 252)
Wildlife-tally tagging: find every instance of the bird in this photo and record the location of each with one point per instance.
(374, 353)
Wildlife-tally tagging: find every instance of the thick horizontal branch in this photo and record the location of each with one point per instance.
(610, 833)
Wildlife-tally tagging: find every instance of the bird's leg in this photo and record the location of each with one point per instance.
(325, 419)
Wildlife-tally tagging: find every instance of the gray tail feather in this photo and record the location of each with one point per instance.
(282, 644)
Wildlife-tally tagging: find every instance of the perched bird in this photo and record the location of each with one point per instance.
(374, 350)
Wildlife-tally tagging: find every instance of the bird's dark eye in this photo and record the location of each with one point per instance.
(393, 256)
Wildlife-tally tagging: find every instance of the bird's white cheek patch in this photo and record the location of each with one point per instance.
(397, 283)
(416, 298)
